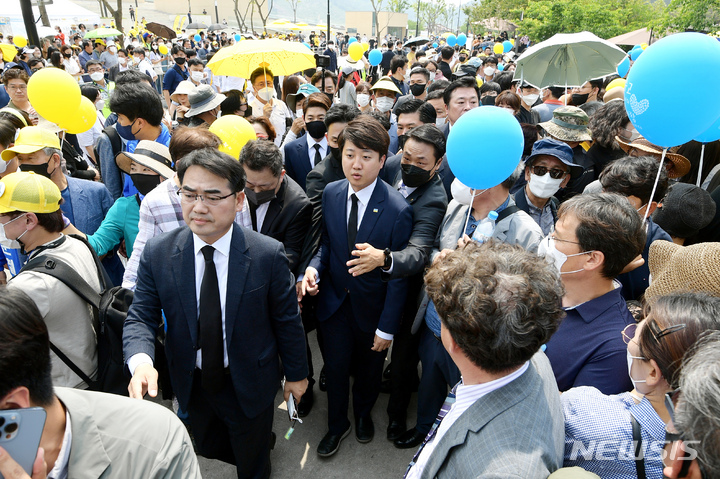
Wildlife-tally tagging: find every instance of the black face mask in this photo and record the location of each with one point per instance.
(413, 176)
(316, 129)
(417, 89)
(336, 153)
(180, 61)
(401, 141)
(331, 96)
(579, 98)
(488, 100)
(463, 58)
(67, 55)
(257, 199)
(145, 183)
(38, 169)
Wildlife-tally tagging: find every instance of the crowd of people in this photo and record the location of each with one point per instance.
(565, 321)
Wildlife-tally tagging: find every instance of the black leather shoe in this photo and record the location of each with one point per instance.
(411, 438)
(364, 429)
(331, 443)
(322, 381)
(386, 372)
(395, 429)
(306, 403)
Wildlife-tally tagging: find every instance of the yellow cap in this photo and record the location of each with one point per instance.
(26, 191)
(31, 139)
(385, 83)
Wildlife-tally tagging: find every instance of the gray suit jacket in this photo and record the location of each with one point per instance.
(519, 228)
(516, 431)
(115, 436)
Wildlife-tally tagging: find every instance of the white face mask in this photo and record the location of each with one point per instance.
(489, 71)
(384, 104)
(113, 49)
(530, 99)
(122, 60)
(100, 105)
(4, 164)
(266, 93)
(544, 186)
(363, 99)
(630, 363)
(97, 76)
(463, 194)
(547, 249)
(7, 242)
(440, 121)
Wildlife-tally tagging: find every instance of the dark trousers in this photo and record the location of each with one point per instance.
(348, 348)
(438, 373)
(403, 373)
(223, 432)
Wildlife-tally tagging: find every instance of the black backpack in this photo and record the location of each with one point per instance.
(110, 308)
(115, 144)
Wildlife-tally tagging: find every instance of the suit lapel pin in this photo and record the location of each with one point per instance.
(375, 210)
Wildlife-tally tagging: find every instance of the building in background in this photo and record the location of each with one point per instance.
(363, 23)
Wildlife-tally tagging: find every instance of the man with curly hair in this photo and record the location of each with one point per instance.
(498, 305)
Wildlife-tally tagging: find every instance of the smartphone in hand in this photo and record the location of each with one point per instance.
(20, 432)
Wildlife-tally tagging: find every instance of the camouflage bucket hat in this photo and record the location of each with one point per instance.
(569, 123)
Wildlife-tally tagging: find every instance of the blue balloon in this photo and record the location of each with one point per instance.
(435, 45)
(711, 134)
(502, 139)
(237, 37)
(462, 39)
(375, 57)
(197, 37)
(352, 40)
(500, 67)
(507, 46)
(451, 40)
(664, 119)
(307, 45)
(635, 53)
(624, 67)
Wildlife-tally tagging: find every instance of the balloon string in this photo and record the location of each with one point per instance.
(700, 166)
(657, 180)
(473, 195)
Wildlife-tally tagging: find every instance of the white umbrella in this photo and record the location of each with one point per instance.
(568, 59)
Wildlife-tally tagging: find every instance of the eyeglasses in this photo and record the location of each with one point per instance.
(17, 87)
(210, 200)
(555, 173)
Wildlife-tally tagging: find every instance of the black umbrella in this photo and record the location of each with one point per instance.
(161, 30)
(413, 42)
(196, 26)
(216, 26)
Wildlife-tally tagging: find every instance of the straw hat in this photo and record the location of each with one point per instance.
(385, 83)
(149, 154)
(678, 166)
(676, 268)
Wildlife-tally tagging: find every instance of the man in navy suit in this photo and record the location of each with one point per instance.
(357, 315)
(303, 154)
(229, 301)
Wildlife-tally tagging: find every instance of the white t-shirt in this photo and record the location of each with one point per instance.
(89, 138)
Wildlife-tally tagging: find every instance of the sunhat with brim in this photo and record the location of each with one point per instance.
(678, 166)
(28, 192)
(31, 139)
(185, 87)
(15, 113)
(569, 123)
(305, 90)
(573, 473)
(149, 154)
(203, 98)
(48, 125)
(385, 83)
(675, 269)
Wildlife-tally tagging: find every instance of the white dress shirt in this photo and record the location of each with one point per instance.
(363, 197)
(277, 117)
(260, 213)
(60, 469)
(311, 148)
(465, 396)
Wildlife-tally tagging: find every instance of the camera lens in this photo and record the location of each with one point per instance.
(11, 428)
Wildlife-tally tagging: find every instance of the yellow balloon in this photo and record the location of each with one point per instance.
(644, 45)
(234, 132)
(512, 40)
(355, 51)
(53, 93)
(618, 82)
(498, 48)
(20, 41)
(83, 119)
(366, 46)
(163, 50)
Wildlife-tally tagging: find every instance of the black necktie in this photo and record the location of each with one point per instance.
(211, 336)
(352, 223)
(318, 158)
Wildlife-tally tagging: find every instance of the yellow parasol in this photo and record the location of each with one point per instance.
(280, 57)
(8, 51)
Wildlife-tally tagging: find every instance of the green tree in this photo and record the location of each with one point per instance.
(700, 15)
(433, 13)
(399, 6)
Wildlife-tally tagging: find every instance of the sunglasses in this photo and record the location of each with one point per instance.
(555, 173)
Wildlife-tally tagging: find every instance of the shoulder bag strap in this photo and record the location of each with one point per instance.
(637, 439)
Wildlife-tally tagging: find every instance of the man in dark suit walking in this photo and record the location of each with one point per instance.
(303, 154)
(357, 315)
(228, 298)
(278, 207)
